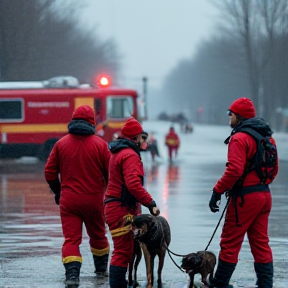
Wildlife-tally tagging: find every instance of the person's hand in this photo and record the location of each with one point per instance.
(153, 209)
(213, 204)
(57, 198)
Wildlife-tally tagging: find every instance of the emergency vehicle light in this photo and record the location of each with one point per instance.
(103, 81)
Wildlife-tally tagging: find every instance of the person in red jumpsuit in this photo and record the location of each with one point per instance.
(124, 193)
(249, 209)
(81, 160)
(172, 142)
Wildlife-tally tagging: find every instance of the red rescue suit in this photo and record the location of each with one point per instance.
(253, 214)
(82, 161)
(125, 170)
(172, 141)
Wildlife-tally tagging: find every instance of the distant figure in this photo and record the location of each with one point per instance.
(183, 126)
(100, 128)
(153, 147)
(199, 115)
(188, 128)
(172, 141)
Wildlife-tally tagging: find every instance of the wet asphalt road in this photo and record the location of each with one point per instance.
(30, 228)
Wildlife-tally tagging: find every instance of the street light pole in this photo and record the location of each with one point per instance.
(145, 80)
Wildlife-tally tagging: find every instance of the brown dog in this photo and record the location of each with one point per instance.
(202, 262)
(154, 236)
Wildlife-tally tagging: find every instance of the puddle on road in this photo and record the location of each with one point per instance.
(31, 235)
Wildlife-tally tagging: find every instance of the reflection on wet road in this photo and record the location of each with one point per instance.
(31, 235)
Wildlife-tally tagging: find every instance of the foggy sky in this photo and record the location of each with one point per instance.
(152, 36)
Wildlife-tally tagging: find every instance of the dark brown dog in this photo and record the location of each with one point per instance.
(153, 235)
(202, 262)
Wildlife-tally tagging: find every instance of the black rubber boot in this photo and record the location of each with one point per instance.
(117, 277)
(264, 272)
(223, 274)
(72, 274)
(100, 263)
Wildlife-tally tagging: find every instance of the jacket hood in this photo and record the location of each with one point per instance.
(81, 127)
(119, 144)
(257, 124)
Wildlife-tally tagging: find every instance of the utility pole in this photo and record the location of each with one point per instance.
(145, 80)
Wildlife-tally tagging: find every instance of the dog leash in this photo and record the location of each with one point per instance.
(180, 255)
(218, 224)
(169, 251)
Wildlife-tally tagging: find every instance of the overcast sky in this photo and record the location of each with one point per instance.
(152, 35)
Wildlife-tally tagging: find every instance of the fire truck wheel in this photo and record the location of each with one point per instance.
(46, 148)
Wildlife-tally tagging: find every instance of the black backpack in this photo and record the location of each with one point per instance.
(265, 158)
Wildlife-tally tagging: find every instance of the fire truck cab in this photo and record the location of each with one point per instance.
(34, 115)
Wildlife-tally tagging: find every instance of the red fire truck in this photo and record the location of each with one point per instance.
(34, 115)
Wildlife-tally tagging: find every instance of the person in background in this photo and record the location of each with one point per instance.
(172, 142)
(115, 136)
(153, 147)
(100, 128)
(124, 193)
(250, 198)
(77, 173)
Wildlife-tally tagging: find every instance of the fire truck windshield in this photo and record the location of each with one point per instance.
(119, 107)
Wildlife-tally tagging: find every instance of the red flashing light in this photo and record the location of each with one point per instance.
(104, 81)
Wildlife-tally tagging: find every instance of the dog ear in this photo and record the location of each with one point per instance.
(191, 257)
(194, 259)
(185, 259)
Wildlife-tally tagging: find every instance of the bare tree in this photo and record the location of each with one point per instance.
(255, 23)
(209, 81)
(41, 38)
(246, 57)
(275, 23)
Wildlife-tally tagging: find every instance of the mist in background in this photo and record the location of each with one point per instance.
(196, 56)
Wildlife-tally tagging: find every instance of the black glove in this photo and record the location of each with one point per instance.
(57, 198)
(151, 206)
(213, 202)
(55, 187)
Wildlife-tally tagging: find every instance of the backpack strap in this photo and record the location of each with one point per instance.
(257, 159)
(257, 136)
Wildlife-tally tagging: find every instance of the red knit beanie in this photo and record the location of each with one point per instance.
(131, 128)
(84, 112)
(243, 107)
